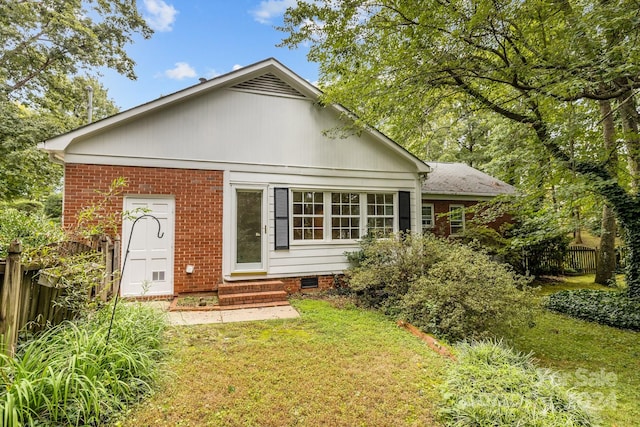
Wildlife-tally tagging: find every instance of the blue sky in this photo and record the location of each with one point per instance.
(202, 38)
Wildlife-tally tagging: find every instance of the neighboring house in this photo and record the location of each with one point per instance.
(245, 182)
(450, 189)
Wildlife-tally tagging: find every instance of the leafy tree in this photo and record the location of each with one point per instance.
(48, 40)
(527, 61)
(47, 47)
(25, 171)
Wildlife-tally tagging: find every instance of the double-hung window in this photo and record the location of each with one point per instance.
(308, 215)
(380, 214)
(428, 218)
(345, 216)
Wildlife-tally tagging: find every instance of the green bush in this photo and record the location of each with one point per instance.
(606, 307)
(32, 230)
(70, 375)
(53, 206)
(382, 271)
(467, 295)
(445, 288)
(490, 385)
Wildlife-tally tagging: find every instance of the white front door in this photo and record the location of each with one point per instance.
(250, 234)
(149, 264)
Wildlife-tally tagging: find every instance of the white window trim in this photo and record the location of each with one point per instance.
(432, 218)
(327, 215)
(462, 225)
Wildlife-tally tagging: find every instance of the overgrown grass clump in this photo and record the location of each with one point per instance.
(445, 288)
(491, 385)
(70, 375)
(606, 307)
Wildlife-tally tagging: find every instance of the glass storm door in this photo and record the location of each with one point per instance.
(250, 234)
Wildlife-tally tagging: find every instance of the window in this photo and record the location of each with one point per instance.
(345, 216)
(428, 221)
(456, 218)
(335, 216)
(308, 215)
(380, 214)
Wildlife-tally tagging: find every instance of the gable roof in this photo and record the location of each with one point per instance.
(459, 179)
(267, 77)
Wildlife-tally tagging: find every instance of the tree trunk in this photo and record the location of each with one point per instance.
(630, 119)
(606, 266)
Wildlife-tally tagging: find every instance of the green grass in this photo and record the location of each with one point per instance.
(601, 362)
(333, 366)
(341, 366)
(70, 375)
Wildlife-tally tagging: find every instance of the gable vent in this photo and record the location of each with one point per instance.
(268, 83)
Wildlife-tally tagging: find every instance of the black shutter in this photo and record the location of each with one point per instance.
(281, 202)
(404, 211)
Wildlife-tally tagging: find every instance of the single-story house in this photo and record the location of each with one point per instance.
(245, 182)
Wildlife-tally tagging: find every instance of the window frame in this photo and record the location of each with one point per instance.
(312, 216)
(432, 216)
(340, 216)
(459, 228)
(328, 215)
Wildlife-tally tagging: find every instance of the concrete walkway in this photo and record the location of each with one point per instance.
(226, 316)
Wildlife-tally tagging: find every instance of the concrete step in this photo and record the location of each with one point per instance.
(249, 287)
(251, 297)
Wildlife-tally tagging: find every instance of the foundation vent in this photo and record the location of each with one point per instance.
(309, 282)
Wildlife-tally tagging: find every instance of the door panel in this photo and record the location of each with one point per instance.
(249, 229)
(149, 268)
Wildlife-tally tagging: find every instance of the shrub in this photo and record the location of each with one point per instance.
(53, 206)
(70, 375)
(382, 271)
(467, 295)
(445, 288)
(606, 307)
(33, 230)
(490, 385)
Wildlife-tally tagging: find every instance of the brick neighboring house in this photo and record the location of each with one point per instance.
(245, 183)
(450, 189)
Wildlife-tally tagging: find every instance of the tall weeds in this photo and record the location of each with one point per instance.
(70, 375)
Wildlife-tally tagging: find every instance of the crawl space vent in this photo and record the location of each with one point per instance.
(309, 282)
(268, 83)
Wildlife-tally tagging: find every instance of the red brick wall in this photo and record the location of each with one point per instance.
(292, 284)
(198, 212)
(442, 221)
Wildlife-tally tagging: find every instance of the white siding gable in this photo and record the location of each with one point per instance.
(231, 127)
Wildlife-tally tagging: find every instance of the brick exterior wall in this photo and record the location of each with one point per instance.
(442, 227)
(292, 284)
(198, 212)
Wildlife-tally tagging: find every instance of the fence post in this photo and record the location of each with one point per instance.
(116, 273)
(11, 299)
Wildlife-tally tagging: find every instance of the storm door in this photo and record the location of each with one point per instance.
(250, 229)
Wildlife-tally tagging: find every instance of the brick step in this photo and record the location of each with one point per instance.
(250, 287)
(251, 297)
(255, 305)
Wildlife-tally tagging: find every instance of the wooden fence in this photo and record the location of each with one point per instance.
(577, 260)
(28, 296)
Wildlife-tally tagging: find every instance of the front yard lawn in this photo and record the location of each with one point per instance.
(338, 367)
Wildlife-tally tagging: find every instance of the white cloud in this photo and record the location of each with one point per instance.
(182, 70)
(159, 15)
(236, 67)
(269, 9)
